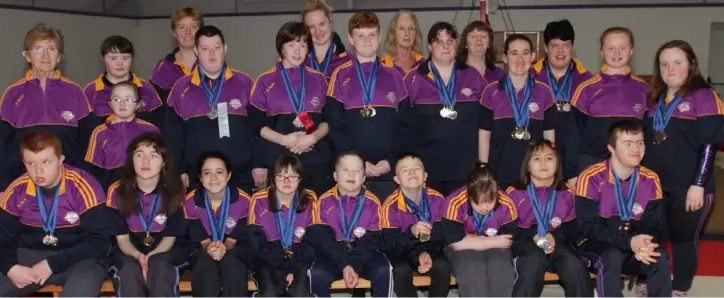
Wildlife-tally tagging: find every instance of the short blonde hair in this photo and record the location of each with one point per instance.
(186, 12)
(391, 39)
(42, 31)
(314, 5)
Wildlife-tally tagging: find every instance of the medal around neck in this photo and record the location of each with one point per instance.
(659, 137)
(563, 106)
(543, 244)
(521, 133)
(212, 114)
(424, 237)
(148, 241)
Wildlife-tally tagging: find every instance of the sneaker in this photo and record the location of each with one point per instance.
(641, 290)
(677, 293)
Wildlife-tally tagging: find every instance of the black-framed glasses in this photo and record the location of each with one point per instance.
(292, 178)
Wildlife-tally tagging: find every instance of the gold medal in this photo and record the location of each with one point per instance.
(212, 114)
(521, 133)
(659, 137)
(625, 227)
(148, 241)
(365, 112)
(424, 237)
(287, 254)
(347, 246)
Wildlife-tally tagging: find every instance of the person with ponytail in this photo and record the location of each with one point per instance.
(547, 232)
(151, 243)
(217, 214)
(478, 225)
(326, 50)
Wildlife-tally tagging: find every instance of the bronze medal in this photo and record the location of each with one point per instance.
(659, 137)
(347, 246)
(424, 237)
(287, 254)
(148, 241)
(625, 227)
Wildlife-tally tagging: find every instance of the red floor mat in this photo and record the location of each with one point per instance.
(711, 258)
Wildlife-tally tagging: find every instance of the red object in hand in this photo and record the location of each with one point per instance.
(307, 122)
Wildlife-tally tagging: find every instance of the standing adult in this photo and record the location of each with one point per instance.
(326, 51)
(403, 44)
(475, 48)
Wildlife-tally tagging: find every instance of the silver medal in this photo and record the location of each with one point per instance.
(444, 112)
(526, 135)
(212, 114)
(566, 107)
(372, 111)
(453, 114)
(543, 244)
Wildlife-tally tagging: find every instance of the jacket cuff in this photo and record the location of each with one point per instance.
(704, 164)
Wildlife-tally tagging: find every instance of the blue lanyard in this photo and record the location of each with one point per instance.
(447, 92)
(664, 111)
(47, 218)
(422, 211)
(214, 91)
(217, 223)
(368, 86)
(543, 217)
(147, 222)
(348, 226)
(625, 204)
(286, 228)
(521, 113)
(562, 90)
(325, 63)
(297, 98)
(480, 221)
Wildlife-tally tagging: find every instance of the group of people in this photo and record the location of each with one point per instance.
(338, 164)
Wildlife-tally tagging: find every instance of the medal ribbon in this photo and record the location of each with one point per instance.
(147, 222)
(543, 217)
(447, 92)
(47, 218)
(325, 63)
(521, 113)
(562, 89)
(664, 111)
(297, 98)
(212, 92)
(422, 211)
(286, 228)
(480, 221)
(348, 226)
(625, 204)
(368, 86)
(217, 223)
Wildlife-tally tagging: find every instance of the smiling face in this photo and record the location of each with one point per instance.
(559, 52)
(43, 56)
(410, 173)
(629, 149)
(294, 52)
(519, 57)
(405, 31)
(617, 49)
(214, 175)
(184, 32)
(320, 26)
(365, 41)
(350, 174)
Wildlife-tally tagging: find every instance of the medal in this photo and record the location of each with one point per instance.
(212, 114)
(368, 87)
(446, 92)
(50, 240)
(217, 227)
(543, 244)
(347, 227)
(625, 227)
(424, 237)
(287, 254)
(521, 133)
(148, 241)
(212, 92)
(659, 137)
(285, 228)
(147, 222)
(421, 211)
(625, 204)
(48, 218)
(480, 221)
(297, 97)
(347, 246)
(542, 215)
(563, 106)
(561, 88)
(521, 110)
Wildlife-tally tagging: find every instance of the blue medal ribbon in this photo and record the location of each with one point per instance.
(286, 228)
(348, 226)
(422, 211)
(447, 92)
(47, 218)
(625, 204)
(147, 222)
(480, 221)
(542, 217)
(212, 92)
(521, 112)
(664, 111)
(217, 223)
(297, 98)
(368, 86)
(561, 89)
(325, 63)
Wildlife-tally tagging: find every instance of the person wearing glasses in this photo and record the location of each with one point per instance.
(42, 100)
(107, 145)
(117, 53)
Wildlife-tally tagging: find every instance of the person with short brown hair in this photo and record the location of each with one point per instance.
(43, 100)
(53, 229)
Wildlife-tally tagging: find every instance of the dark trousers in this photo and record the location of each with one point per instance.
(315, 177)
(683, 229)
(531, 264)
(228, 276)
(382, 189)
(83, 279)
(162, 277)
(446, 187)
(440, 272)
(609, 262)
(377, 270)
(487, 273)
(272, 282)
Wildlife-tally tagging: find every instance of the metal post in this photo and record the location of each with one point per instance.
(350, 4)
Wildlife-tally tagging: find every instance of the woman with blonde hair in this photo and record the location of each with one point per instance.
(326, 51)
(403, 44)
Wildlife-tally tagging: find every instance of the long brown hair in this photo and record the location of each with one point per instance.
(536, 146)
(462, 50)
(171, 187)
(694, 80)
(305, 197)
(482, 185)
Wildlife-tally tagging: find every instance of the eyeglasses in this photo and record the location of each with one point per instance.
(126, 100)
(281, 178)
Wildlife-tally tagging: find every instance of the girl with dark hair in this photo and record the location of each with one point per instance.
(217, 215)
(149, 228)
(286, 111)
(476, 49)
(547, 232)
(684, 122)
(516, 110)
(278, 220)
(478, 225)
(109, 141)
